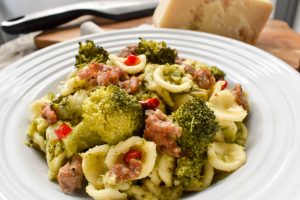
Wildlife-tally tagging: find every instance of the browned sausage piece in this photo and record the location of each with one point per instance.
(48, 114)
(204, 78)
(131, 85)
(162, 132)
(70, 176)
(240, 97)
(130, 49)
(127, 172)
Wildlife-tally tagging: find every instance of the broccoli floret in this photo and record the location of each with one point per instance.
(69, 108)
(113, 114)
(199, 127)
(88, 52)
(157, 52)
(218, 74)
(189, 174)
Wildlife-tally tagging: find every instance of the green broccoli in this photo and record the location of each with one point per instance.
(188, 172)
(218, 74)
(113, 114)
(199, 127)
(88, 52)
(69, 108)
(157, 52)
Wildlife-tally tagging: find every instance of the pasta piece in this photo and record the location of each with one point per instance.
(37, 106)
(225, 108)
(208, 175)
(153, 86)
(140, 193)
(229, 130)
(242, 134)
(119, 62)
(105, 194)
(166, 166)
(36, 133)
(185, 84)
(152, 187)
(148, 150)
(217, 87)
(219, 136)
(226, 157)
(55, 154)
(93, 165)
(154, 177)
(71, 85)
(162, 192)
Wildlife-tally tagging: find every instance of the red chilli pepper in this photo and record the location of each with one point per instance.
(224, 85)
(151, 103)
(132, 60)
(63, 131)
(132, 154)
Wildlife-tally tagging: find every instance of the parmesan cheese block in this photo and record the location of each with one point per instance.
(238, 19)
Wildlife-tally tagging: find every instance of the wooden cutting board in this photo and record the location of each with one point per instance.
(277, 37)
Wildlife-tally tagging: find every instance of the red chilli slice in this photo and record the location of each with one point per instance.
(63, 131)
(151, 103)
(132, 154)
(224, 85)
(132, 60)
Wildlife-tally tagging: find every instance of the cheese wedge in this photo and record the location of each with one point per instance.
(238, 19)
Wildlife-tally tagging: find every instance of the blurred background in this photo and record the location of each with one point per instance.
(287, 10)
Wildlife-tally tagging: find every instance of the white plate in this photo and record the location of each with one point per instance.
(272, 169)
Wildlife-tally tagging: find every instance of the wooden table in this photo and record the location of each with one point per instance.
(277, 37)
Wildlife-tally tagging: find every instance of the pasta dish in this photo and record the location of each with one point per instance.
(144, 123)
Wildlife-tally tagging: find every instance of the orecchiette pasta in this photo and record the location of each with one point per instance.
(166, 166)
(242, 134)
(185, 84)
(148, 150)
(208, 175)
(55, 154)
(93, 165)
(225, 108)
(229, 130)
(119, 62)
(36, 107)
(217, 87)
(219, 136)
(71, 85)
(226, 157)
(140, 193)
(105, 194)
(153, 86)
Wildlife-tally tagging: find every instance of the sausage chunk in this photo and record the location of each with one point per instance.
(131, 85)
(204, 78)
(130, 49)
(126, 172)
(48, 114)
(104, 75)
(162, 132)
(70, 176)
(240, 97)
